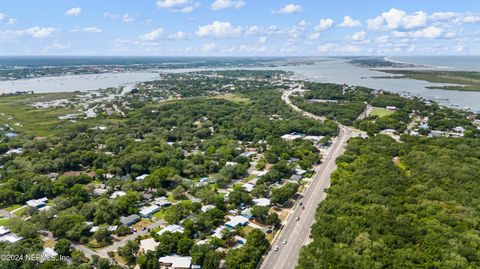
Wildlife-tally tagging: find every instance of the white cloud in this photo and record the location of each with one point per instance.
(178, 35)
(313, 36)
(208, 47)
(324, 24)
(223, 4)
(349, 22)
(289, 9)
(262, 39)
(183, 6)
(428, 32)
(334, 48)
(56, 46)
(12, 21)
(398, 19)
(151, 36)
(126, 18)
(382, 39)
(41, 32)
(110, 16)
(471, 19)
(35, 32)
(73, 11)
(359, 36)
(92, 29)
(218, 29)
(252, 30)
(2, 16)
(443, 16)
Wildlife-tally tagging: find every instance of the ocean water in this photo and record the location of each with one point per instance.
(462, 63)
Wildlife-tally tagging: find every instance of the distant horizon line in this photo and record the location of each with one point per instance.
(240, 56)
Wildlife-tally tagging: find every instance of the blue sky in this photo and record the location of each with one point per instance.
(239, 27)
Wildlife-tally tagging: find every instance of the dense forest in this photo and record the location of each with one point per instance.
(400, 205)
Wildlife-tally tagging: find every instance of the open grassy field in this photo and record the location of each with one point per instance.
(3, 221)
(235, 98)
(470, 80)
(17, 112)
(380, 112)
(12, 207)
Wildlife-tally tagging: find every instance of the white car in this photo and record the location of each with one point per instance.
(275, 248)
(284, 241)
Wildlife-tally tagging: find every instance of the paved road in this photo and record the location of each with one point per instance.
(104, 251)
(285, 97)
(296, 233)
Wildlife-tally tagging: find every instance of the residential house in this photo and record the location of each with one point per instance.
(148, 211)
(142, 177)
(116, 194)
(37, 203)
(129, 220)
(261, 201)
(162, 202)
(148, 245)
(236, 221)
(175, 262)
(172, 229)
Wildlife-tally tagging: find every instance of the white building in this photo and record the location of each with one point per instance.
(172, 228)
(116, 194)
(37, 203)
(148, 245)
(175, 262)
(236, 221)
(147, 211)
(261, 201)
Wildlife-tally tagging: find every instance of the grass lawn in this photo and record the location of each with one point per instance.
(235, 98)
(3, 221)
(250, 177)
(159, 215)
(171, 199)
(20, 211)
(380, 112)
(12, 207)
(247, 229)
(142, 223)
(22, 117)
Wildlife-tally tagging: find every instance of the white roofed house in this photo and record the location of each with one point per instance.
(148, 245)
(142, 177)
(37, 203)
(148, 211)
(162, 202)
(175, 262)
(172, 229)
(116, 194)
(261, 201)
(236, 221)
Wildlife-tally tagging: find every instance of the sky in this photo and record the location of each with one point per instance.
(239, 27)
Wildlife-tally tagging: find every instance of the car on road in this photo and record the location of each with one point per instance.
(301, 203)
(284, 241)
(297, 219)
(144, 228)
(275, 248)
